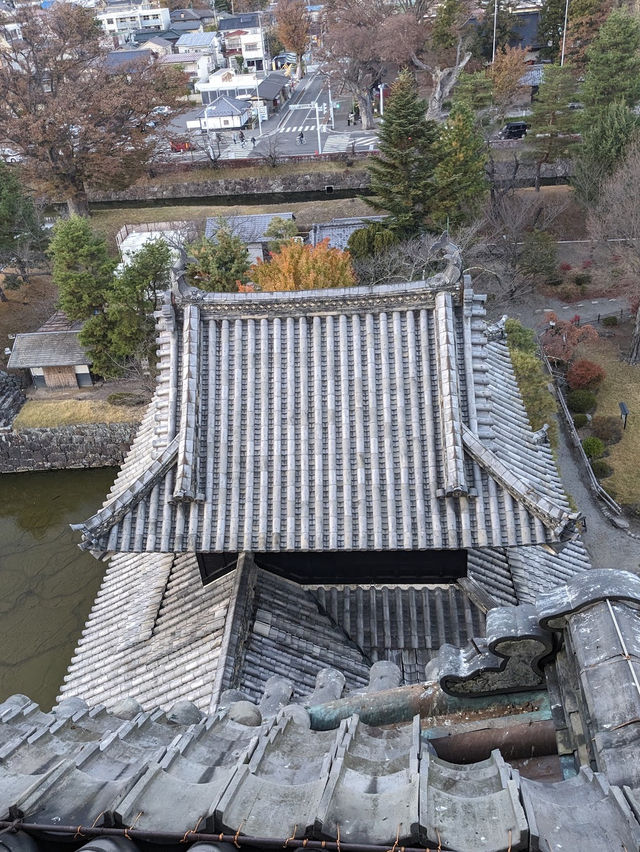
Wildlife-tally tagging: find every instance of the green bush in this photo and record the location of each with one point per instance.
(593, 448)
(581, 401)
(610, 322)
(608, 429)
(519, 337)
(601, 468)
(580, 420)
(582, 279)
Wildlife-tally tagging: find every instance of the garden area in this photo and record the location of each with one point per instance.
(597, 381)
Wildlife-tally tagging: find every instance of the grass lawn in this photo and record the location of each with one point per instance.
(222, 173)
(72, 412)
(306, 212)
(622, 384)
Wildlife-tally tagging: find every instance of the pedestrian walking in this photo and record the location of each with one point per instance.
(253, 141)
(241, 137)
(234, 138)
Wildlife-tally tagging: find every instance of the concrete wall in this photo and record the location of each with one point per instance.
(93, 445)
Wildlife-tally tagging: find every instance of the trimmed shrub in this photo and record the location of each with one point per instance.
(608, 429)
(585, 375)
(593, 448)
(581, 401)
(582, 279)
(519, 337)
(601, 468)
(580, 420)
(610, 322)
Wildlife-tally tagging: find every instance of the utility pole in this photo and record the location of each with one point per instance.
(330, 104)
(564, 32)
(495, 29)
(381, 87)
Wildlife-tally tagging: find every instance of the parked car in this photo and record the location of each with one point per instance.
(513, 130)
(8, 155)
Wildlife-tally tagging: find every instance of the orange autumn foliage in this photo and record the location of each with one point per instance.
(304, 267)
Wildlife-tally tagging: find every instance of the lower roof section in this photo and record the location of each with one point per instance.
(367, 419)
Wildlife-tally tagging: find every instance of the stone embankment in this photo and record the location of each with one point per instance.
(88, 445)
(292, 183)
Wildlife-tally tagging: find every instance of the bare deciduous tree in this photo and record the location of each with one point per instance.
(617, 217)
(76, 121)
(293, 28)
(350, 53)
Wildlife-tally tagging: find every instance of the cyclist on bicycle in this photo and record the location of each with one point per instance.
(301, 138)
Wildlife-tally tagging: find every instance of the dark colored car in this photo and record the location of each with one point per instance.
(513, 130)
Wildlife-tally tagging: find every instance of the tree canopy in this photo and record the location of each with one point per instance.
(613, 67)
(304, 267)
(82, 268)
(125, 331)
(402, 174)
(552, 122)
(506, 20)
(76, 122)
(22, 239)
(460, 171)
(604, 144)
(551, 28)
(293, 28)
(220, 264)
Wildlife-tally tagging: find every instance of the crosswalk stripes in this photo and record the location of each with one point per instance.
(303, 127)
(335, 143)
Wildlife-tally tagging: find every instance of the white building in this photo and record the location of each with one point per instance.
(124, 20)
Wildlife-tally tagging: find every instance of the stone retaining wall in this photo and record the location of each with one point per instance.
(91, 445)
(347, 179)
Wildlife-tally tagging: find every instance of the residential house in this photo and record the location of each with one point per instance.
(122, 22)
(205, 17)
(338, 231)
(251, 229)
(243, 37)
(158, 46)
(198, 42)
(126, 61)
(53, 355)
(197, 66)
(267, 92)
(224, 113)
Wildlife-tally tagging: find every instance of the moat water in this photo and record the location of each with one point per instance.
(47, 584)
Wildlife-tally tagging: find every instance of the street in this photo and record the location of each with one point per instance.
(277, 135)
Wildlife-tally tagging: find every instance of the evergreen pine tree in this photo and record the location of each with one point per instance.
(82, 268)
(220, 264)
(506, 21)
(402, 173)
(613, 64)
(552, 122)
(604, 144)
(125, 331)
(551, 28)
(460, 173)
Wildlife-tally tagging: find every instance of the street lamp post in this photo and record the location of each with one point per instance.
(381, 87)
(495, 29)
(564, 32)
